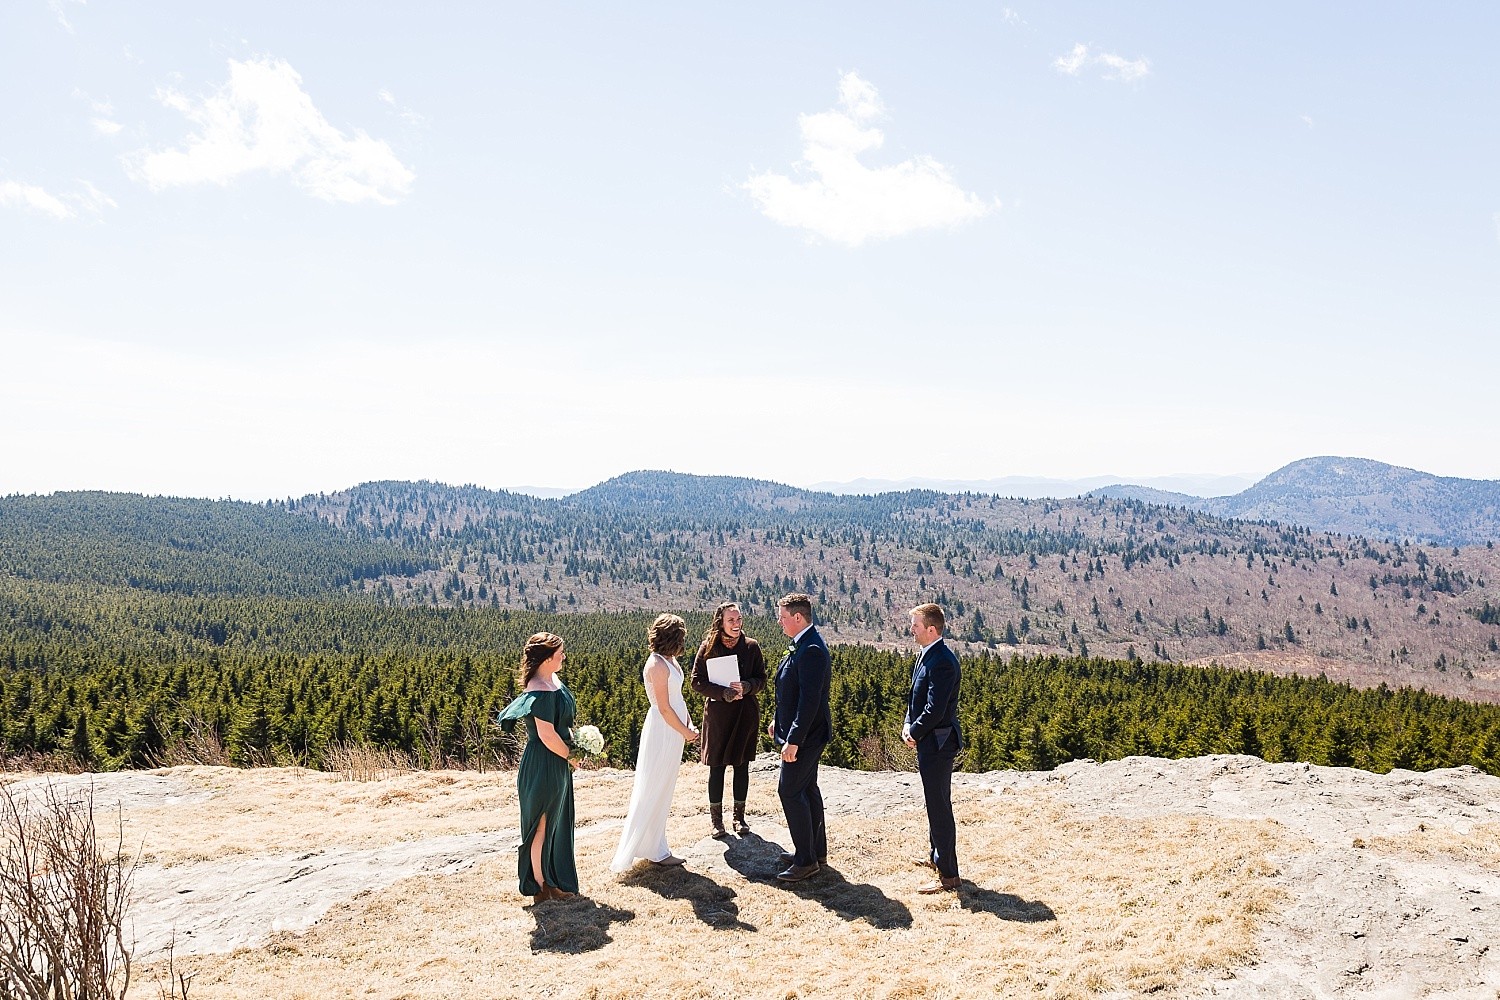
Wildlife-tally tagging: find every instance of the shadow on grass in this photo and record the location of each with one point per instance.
(574, 926)
(1004, 905)
(759, 860)
(712, 903)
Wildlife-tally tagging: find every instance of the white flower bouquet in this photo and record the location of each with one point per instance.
(589, 740)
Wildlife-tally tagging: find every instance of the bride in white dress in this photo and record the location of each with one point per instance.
(667, 729)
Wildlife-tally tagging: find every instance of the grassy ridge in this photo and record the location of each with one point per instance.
(110, 677)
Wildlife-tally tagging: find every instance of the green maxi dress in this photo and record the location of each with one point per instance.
(544, 784)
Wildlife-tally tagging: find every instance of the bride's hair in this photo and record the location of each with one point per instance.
(667, 635)
(716, 629)
(540, 648)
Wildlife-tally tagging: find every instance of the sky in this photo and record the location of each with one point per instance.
(264, 249)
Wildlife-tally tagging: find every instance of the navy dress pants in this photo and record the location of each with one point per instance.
(936, 769)
(802, 802)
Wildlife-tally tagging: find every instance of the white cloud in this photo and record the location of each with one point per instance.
(104, 112)
(1115, 67)
(262, 120)
(1073, 61)
(405, 114)
(59, 9)
(14, 194)
(87, 200)
(1124, 69)
(846, 201)
(1307, 120)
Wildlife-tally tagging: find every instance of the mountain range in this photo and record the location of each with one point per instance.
(1098, 575)
(1352, 496)
(1037, 487)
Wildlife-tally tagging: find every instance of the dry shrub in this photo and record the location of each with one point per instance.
(201, 745)
(880, 751)
(487, 747)
(363, 762)
(593, 763)
(32, 762)
(62, 900)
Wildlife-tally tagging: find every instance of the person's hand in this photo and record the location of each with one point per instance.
(789, 752)
(736, 691)
(911, 742)
(692, 735)
(771, 730)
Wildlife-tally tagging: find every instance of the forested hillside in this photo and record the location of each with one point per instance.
(185, 546)
(1089, 577)
(1108, 577)
(107, 678)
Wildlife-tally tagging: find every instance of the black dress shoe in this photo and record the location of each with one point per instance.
(796, 873)
(791, 859)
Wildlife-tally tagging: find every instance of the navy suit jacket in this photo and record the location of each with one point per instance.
(802, 680)
(932, 709)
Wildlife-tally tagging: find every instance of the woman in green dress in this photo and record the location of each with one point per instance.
(544, 781)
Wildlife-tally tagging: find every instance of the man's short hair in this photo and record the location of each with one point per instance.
(797, 604)
(930, 614)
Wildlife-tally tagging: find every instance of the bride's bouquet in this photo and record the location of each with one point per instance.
(589, 740)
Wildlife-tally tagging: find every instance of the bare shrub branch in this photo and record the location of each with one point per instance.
(177, 983)
(201, 745)
(62, 901)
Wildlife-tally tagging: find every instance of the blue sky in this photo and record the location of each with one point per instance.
(263, 249)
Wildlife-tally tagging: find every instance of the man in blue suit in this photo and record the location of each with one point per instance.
(803, 729)
(932, 730)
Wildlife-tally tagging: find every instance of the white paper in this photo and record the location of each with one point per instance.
(723, 670)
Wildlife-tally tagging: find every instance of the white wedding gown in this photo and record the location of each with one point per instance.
(656, 766)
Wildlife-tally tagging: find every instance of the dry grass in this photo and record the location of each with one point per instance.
(1480, 846)
(267, 810)
(1057, 904)
(363, 762)
(14, 767)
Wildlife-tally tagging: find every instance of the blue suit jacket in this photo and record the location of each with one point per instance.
(932, 709)
(802, 680)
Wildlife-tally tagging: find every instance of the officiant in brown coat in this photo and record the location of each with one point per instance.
(731, 714)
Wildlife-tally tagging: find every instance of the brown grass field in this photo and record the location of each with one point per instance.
(1055, 903)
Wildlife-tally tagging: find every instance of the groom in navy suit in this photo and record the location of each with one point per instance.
(932, 730)
(803, 729)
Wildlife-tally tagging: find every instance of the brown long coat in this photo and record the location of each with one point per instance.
(731, 729)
